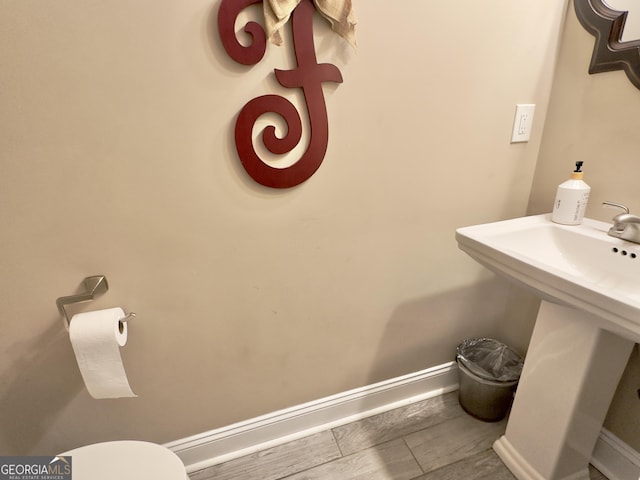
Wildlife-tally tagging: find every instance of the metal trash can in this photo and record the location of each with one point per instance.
(488, 374)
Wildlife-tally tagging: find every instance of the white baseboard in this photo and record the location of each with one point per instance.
(223, 444)
(614, 458)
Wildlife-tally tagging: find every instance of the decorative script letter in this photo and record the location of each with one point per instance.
(308, 75)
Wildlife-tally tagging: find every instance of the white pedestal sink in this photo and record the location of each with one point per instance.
(587, 325)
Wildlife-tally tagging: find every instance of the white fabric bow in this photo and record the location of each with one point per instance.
(339, 13)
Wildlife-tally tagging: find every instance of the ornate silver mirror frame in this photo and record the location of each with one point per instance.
(610, 52)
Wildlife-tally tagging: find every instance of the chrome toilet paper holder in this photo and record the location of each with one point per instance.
(94, 285)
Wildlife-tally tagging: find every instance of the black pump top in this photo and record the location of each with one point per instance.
(578, 167)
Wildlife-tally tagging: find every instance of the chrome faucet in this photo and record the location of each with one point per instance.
(625, 225)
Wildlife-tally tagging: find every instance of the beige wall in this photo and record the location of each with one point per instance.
(117, 158)
(594, 118)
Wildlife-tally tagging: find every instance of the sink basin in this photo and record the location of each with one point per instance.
(579, 266)
(587, 325)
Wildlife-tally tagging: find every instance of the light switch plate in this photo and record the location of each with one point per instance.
(523, 122)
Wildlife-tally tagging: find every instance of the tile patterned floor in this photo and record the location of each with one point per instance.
(429, 440)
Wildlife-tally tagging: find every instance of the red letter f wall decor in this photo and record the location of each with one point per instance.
(308, 75)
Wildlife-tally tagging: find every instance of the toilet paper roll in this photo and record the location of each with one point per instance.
(96, 338)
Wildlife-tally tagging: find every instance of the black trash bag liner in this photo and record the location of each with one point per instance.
(490, 359)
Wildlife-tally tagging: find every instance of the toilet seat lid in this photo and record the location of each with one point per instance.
(125, 460)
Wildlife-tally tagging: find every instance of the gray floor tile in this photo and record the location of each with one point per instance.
(276, 462)
(389, 461)
(397, 423)
(481, 466)
(434, 436)
(452, 441)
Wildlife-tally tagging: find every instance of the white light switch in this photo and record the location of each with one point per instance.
(522, 122)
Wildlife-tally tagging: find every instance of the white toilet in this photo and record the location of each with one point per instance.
(125, 460)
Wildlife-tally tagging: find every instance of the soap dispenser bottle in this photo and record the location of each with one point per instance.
(571, 199)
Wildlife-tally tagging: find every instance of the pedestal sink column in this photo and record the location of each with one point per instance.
(569, 378)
